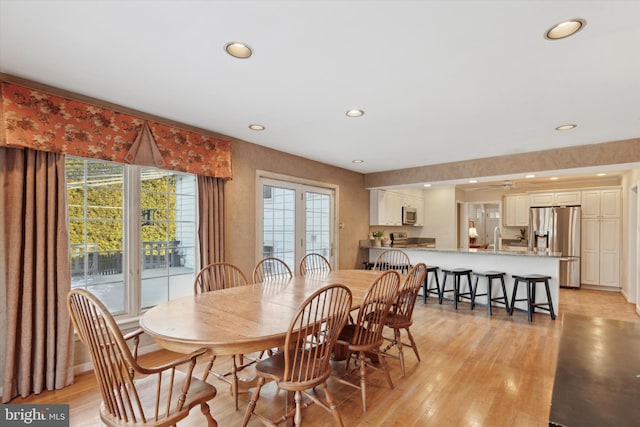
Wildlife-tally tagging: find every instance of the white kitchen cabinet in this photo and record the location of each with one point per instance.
(516, 211)
(385, 208)
(560, 198)
(566, 198)
(542, 199)
(601, 230)
(601, 203)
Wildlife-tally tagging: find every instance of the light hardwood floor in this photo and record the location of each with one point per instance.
(475, 371)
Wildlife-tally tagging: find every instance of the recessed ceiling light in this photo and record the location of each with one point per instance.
(473, 181)
(553, 178)
(357, 161)
(566, 127)
(355, 113)
(530, 176)
(256, 127)
(601, 174)
(238, 50)
(565, 29)
(427, 185)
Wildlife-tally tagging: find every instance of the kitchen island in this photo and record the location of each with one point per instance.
(511, 262)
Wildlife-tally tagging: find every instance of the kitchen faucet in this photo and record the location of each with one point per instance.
(497, 234)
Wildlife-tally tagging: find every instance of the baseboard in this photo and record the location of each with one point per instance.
(88, 366)
(601, 288)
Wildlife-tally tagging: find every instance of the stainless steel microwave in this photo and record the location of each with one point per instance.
(409, 215)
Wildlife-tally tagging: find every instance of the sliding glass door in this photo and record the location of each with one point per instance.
(296, 219)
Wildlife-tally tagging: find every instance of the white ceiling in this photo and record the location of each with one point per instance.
(439, 81)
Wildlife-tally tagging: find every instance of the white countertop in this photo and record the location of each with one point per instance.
(484, 252)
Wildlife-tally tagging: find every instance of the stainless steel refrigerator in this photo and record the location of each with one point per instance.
(557, 229)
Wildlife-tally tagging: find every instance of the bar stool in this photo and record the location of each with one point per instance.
(431, 290)
(490, 275)
(531, 280)
(456, 273)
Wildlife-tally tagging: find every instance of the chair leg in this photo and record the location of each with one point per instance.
(489, 292)
(444, 285)
(398, 342)
(252, 403)
(504, 294)
(363, 380)
(529, 306)
(413, 344)
(206, 411)
(513, 296)
(297, 418)
(474, 290)
(385, 369)
(553, 314)
(331, 404)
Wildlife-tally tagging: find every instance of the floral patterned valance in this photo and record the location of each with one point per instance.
(47, 122)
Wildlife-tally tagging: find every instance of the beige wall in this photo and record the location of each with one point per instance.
(608, 153)
(240, 196)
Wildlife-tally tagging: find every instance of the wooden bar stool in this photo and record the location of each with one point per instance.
(490, 275)
(431, 290)
(456, 273)
(531, 280)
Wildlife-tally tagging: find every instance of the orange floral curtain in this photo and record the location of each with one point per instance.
(47, 122)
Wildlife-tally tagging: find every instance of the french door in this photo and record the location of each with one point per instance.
(296, 219)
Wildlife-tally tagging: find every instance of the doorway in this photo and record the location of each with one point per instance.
(295, 219)
(485, 217)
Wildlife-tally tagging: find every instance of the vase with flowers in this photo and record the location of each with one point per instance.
(377, 237)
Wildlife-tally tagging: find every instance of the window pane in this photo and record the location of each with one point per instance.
(279, 224)
(165, 238)
(167, 235)
(317, 222)
(95, 193)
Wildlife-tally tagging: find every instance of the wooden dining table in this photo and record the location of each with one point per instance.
(243, 319)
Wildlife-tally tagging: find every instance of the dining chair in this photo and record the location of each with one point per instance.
(363, 338)
(271, 269)
(401, 314)
(217, 276)
(304, 364)
(313, 263)
(133, 394)
(393, 259)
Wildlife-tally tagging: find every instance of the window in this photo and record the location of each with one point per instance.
(297, 219)
(132, 219)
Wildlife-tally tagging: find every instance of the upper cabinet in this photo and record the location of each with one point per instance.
(601, 203)
(516, 211)
(386, 207)
(560, 198)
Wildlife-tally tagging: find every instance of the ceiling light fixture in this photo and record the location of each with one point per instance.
(565, 29)
(427, 185)
(554, 178)
(256, 127)
(238, 50)
(566, 127)
(355, 113)
(602, 174)
(473, 181)
(530, 176)
(357, 161)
